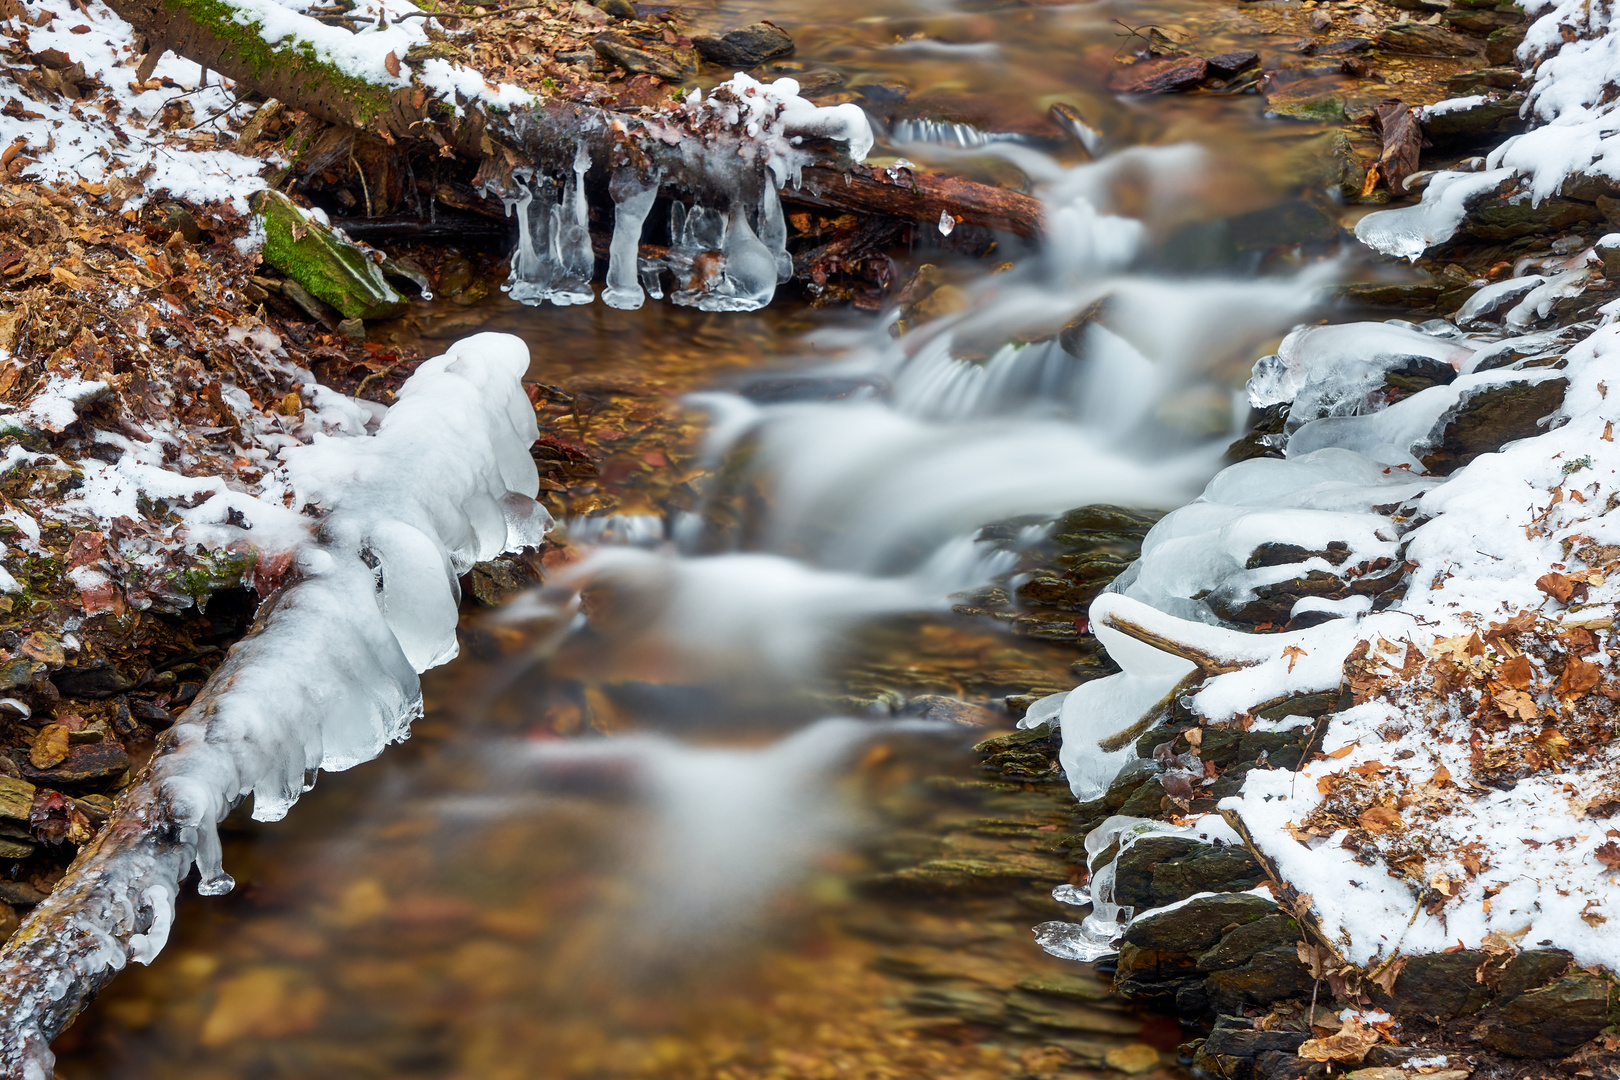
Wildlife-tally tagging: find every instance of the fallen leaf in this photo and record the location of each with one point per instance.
(391, 62)
(1293, 652)
(1609, 855)
(1343, 751)
(1516, 672)
(1350, 1043)
(50, 746)
(1558, 586)
(1516, 703)
(1579, 678)
(1379, 819)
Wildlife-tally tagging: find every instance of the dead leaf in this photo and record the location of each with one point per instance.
(1350, 1043)
(1516, 703)
(1558, 586)
(1516, 672)
(50, 746)
(1609, 855)
(1579, 678)
(391, 62)
(1293, 652)
(1343, 751)
(1380, 819)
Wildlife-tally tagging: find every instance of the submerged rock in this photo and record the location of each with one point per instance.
(746, 47)
(1166, 76)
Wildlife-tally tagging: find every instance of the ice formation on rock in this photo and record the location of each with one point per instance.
(733, 150)
(325, 680)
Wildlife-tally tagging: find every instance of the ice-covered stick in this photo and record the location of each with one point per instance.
(324, 680)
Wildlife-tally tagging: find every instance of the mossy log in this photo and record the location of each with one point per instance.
(230, 40)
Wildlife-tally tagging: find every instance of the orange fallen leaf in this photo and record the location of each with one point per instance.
(1516, 672)
(1293, 652)
(1350, 1043)
(391, 62)
(50, 746)
(1379, 819)
(1579, 678)
(1558, 586)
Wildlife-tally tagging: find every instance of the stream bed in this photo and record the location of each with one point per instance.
(707, 803)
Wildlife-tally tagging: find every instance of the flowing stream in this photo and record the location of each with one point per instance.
(698, 806)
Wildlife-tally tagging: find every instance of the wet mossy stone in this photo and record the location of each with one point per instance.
(1441, 986)
(1508, 218)
(1433, 40)
(1240, 945)
(1152, 976)
(1531, 969)
(1065, 985)
(84, 763)
(1502, 46)
(1272, 974)
(95, 680)
(1147, 801)
(1485, 122)
(1489, 419)
(329, 267)
(1550, 1021)
(1233, 1037)
(1207, 868)
(1198, 924)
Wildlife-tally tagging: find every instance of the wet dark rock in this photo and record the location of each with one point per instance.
(83, 764)
(1229, 64)
(20, 894)
(1550, 1021)
(1502, 46)
(1488, 121)
(619, 9)
(1263, 438)
(811, 388)
(1269, 975)
(975, 1006)
(1484, 80)
(496, 582)
(1071, 986)
(951, 710)
(746, 47)
(1392, 294)
(1198, 924)
(1276, 553)
(95, 680)
(1531, 969)
(1240, 946)
(1441, 986)
(1482, 21)
(1159, 870)
(1307, 99)
(1426, 40)
(632, 54)
(19, 672)
(1489, 419)
(1163, 76)
(1299, 221)
(1502, 218)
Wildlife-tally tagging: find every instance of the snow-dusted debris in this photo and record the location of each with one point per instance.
(405, 503)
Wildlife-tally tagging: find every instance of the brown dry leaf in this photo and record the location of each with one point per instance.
(1293, 652)
(1516, 672)
(1558, 586)
(1442, 777)
(391, 62)
(1590, 917)
(1609, 854)
(1379, 819)
(1350, 1043)
(1384, 978)
(1579, 678)
(50, 746)
(1516, 703)
(1343, 751)
(1608, 431)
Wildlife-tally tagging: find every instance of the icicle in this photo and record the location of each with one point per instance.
(633, 198)
(534, 271)
(573, 239)
(652, 276)
(773, 228)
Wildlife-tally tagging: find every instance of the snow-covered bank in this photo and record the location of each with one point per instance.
(383, 521)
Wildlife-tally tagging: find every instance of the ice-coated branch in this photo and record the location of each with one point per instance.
(326, 678)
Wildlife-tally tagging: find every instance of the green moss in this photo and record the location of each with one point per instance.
(313, 255)
(211, 572)
(264, 58)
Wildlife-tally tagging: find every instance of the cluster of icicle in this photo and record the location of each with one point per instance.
(726, 256)
(327, 678)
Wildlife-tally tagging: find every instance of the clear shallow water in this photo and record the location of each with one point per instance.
(626, 840)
